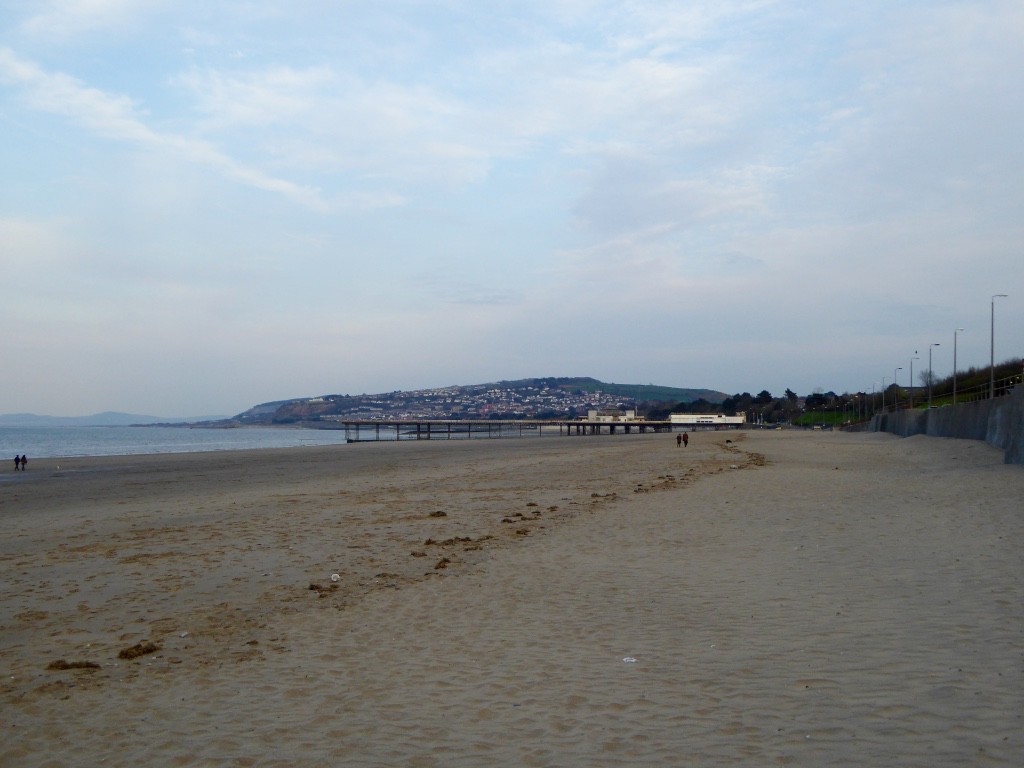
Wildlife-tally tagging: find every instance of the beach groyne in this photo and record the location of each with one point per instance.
(999, 422)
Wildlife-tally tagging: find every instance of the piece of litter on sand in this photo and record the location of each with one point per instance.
(335, 577)
(629, 660)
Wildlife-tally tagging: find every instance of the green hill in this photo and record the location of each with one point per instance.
(641, 392)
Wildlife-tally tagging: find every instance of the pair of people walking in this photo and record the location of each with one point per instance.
(683, 439)
(20, 462)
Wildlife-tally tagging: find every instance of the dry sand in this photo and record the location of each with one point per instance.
(791, 598)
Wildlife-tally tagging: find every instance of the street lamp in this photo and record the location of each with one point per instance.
(958, 330)
(912, 379)
(992, 349)
(930, 374)
(883, 393)
(896, 394)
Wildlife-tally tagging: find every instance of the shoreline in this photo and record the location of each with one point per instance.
(787, 597)
(112, 441)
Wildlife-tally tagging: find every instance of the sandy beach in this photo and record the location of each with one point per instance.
(758, 598)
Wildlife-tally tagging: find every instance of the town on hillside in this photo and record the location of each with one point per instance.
(508, 400)
(556, 399)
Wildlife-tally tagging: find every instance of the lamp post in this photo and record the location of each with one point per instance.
(883, 393)
(958, 330)
(992, 349)
(896, 383)
(930, 374)
(912, 379)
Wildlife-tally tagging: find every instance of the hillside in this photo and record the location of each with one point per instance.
(537, 398)
(644, 392)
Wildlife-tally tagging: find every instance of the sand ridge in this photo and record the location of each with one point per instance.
(186, 551)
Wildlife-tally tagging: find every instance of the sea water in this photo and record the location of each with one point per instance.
(53, 442)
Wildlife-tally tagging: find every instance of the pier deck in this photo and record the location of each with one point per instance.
(461, 429)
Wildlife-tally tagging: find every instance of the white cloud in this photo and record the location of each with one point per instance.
(29, 242)
(255, 98)
(119, 118)
(59, 20)
(375, 137)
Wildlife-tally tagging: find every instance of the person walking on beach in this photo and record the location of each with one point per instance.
(679, 440)
(686, 442)
(17, 462)
(24, 462)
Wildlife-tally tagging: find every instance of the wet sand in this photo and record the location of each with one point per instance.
(793, 598)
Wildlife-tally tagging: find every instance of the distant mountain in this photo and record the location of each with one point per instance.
(105, 419)
(541, 398)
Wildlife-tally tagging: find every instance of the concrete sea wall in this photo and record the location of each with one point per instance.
(999, 422)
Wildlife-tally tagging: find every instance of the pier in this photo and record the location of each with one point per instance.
(461, 429)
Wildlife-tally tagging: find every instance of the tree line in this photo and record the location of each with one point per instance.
(832, 408)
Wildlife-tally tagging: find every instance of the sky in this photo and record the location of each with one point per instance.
(208, 205)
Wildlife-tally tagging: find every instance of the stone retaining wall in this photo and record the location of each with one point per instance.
(999, 422)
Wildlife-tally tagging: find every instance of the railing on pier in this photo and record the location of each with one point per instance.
(463, 429)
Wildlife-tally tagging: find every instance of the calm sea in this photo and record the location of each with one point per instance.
(52, 442)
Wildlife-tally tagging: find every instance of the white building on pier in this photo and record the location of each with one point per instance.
(707, 420)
